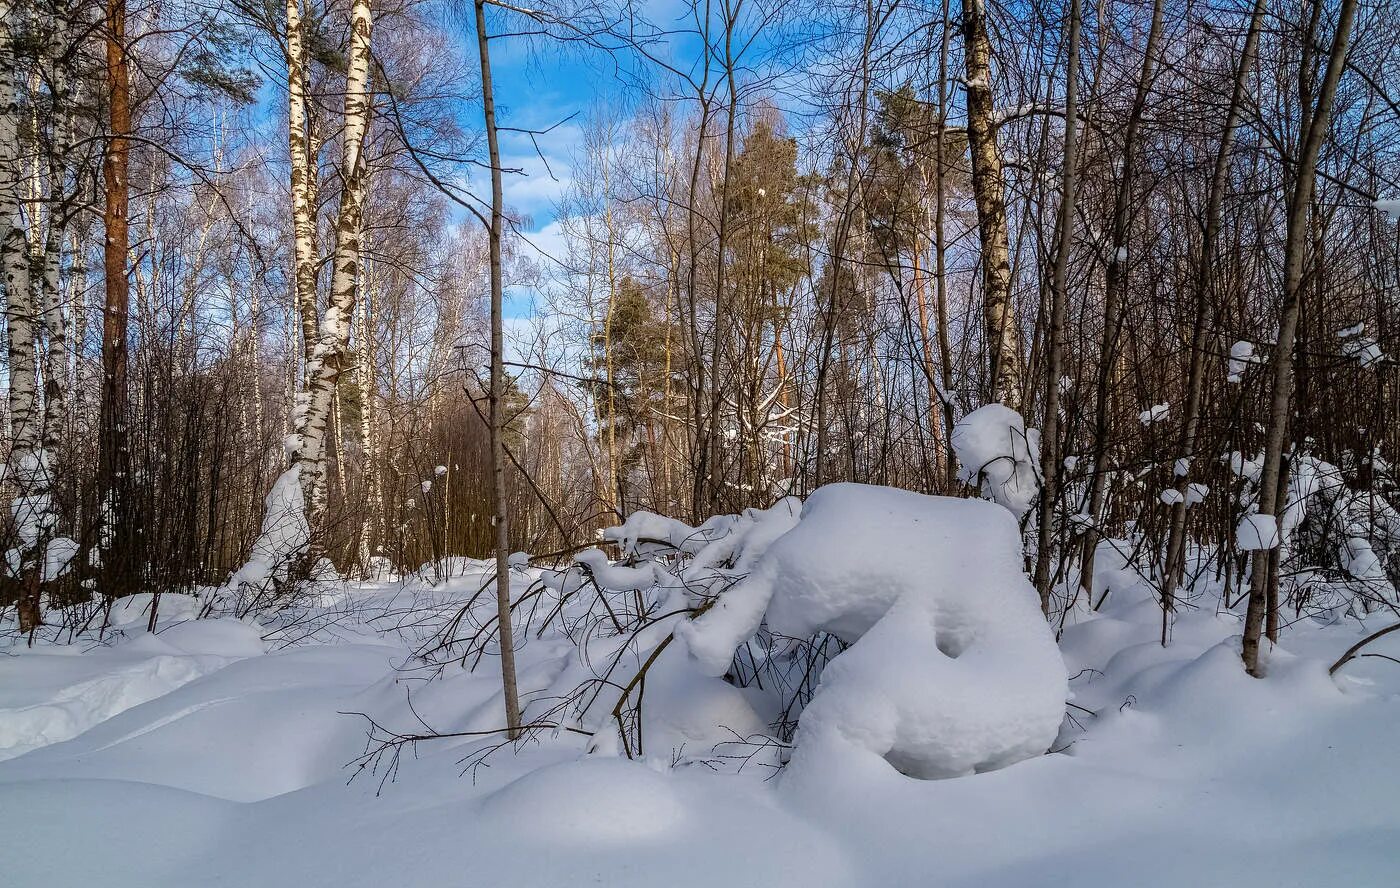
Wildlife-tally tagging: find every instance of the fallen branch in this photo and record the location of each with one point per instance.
(1351, 651)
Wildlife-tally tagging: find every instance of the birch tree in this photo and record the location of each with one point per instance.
(27, 467)
(326, 359)
(1003, 340)
(303, 150)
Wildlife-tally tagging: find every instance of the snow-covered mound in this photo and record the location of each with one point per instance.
(952, 668)
(51, 694)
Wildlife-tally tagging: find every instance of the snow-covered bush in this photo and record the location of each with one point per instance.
(1339, 540)
(1000, 456)
(951, 667)
(868, 624)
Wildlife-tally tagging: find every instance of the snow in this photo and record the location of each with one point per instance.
(49, 696)
(1155, 413)
(211, 752)
(952, 669)
(1241, 356)
(1256, 532)
(1366, 351)
(1354, 330)
(284, 537)
(1000, 456)
(57, 556)
(1359, 559)
(1171, 497)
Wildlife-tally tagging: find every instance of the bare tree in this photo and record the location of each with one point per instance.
(1314, 131)
(501, 519)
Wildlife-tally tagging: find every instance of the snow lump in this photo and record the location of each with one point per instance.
(951, 669)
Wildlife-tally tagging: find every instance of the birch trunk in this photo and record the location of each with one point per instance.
(304, 178)
(1002, 334)
(365, 378)
(26, 469)
(326, 361)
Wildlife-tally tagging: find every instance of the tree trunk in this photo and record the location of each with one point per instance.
(497, 416)
(1112, 314)
(1050, 425)
(116, 537)
(326, 361)
(1205, 272)
(27, 472)
(1299, 202)
(935, 403)
(940, 250)
(1002, 335)
(304, 179)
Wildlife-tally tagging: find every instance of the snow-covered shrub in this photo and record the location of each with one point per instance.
(617, 676)
(868, 624)
(1000, 456)
(951, 667)
(1339, 540)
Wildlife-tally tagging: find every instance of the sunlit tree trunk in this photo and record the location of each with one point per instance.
(1003, 341)
(327, 359)
(116, 537)
(26, 468)
(497, 417)
(304, 178)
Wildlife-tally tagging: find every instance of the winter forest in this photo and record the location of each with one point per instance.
(700, 443)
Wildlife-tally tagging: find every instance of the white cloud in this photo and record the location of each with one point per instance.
(545, 174)
(548, 247)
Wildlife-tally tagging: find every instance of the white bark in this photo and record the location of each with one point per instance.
(26, 470)
(304, 180)
(326, 360)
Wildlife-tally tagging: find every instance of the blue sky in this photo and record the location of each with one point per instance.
(538, 88)
(540, 84)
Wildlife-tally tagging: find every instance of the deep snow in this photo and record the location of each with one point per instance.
(213, 753)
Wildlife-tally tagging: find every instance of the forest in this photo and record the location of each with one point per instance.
(622, 427)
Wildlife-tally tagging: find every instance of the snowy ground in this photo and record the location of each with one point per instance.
(209, 754)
